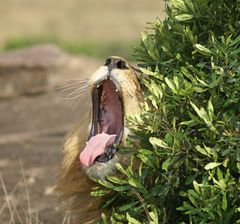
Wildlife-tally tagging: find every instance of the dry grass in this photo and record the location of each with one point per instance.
(17, 210)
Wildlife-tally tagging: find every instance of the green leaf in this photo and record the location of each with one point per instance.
(235, 41)
(202, 114)
(212, 165)
(127, 207)
(156, 90)
(116, 180)
(121, 169)
(224, 201)
(146, 71)
(144, 38)
(166, 164)
(146, 160)
(105, 183)
(188, 123)
(104, 218)
(179, 4)
(238, 167)
(154, 217)
(221, 184)
(118, 218)
(190, 5)
(225, 162)
(196, 186)
(132, 220)
(170, 84)
(183, 17)
(134, 182)
(205, 151)
(202, 82)
(110, 201)
(210, 108)
(235, 52)
(140, 169)
(192, 199)
(176, 82)
(99, 193)
(158, 142)
(188, 74)
(219, 174)
(203, 50)
(196, 109)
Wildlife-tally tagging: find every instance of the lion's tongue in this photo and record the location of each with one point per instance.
(95, 147)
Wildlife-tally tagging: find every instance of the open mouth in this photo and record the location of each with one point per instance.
(107, 124)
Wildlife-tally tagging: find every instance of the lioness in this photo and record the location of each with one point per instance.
(89, 151)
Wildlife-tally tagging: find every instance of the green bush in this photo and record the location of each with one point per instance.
(189, 131)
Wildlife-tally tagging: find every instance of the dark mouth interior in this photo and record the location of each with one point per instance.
(107, 115)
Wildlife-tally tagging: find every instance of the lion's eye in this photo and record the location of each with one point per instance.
(108, 61)
(121, 65)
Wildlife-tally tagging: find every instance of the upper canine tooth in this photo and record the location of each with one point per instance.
(116, 90)
(98, 86)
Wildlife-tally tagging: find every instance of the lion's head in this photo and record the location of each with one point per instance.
(90, 148)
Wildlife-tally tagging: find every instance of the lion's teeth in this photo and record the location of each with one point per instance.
(98, 86)
(116, 90)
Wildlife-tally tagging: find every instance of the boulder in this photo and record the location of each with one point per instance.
(37, 69)
(26, 71)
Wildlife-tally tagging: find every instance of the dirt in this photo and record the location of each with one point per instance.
(31, 136)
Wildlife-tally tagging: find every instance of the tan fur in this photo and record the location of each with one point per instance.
(75, 181)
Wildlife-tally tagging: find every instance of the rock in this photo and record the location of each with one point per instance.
(26, 71)
(36, 69)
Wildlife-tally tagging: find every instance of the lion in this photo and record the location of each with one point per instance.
(89, 149)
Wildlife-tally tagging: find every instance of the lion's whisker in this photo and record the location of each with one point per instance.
(72, 97)
(73, 84)
(78, 80)
(74, 87)
(79, 90)
(76, 103)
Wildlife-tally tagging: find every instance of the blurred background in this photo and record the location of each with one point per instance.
(47, 48)
(95, 28)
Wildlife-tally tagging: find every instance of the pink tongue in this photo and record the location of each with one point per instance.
(95, 147)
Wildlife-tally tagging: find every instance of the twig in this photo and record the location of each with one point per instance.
(141, 199)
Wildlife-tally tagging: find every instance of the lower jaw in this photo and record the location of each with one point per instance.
(99, 170)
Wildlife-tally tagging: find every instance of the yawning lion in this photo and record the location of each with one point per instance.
(90, 148)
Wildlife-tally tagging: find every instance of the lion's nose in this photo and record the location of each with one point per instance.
(115, 62)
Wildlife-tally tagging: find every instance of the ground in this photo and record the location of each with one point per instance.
(31, 135)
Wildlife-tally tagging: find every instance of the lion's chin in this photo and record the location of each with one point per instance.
(99, 170)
